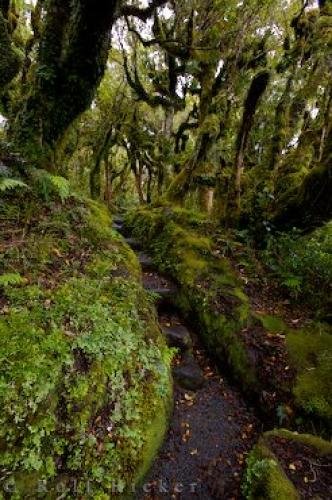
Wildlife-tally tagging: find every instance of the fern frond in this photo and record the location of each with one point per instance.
(7, 184)
(49, 185)
(61, 187)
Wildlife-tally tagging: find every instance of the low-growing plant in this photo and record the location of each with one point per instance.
(303, 264)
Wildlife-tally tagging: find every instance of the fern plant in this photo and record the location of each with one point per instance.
(7, 184)
(49, 185)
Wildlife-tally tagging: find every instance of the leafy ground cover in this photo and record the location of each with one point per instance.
(84, 379)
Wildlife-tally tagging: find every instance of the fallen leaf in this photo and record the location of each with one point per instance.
(187, 397)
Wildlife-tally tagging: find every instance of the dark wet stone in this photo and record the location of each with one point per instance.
(178, 336)
(189, 375)
(133, 243)
(118, 227)
(118, 219)
(146, 261)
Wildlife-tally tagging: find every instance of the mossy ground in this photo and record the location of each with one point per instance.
(84, 384)
(268, 358)
(266, 477)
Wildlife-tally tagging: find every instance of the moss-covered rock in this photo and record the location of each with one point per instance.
(278, 366)
(266, 476)
(85, 384)
(209, 289)
(310, 351)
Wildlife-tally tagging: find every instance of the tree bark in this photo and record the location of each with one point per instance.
(95, 185)
(72, 58)
(256, 90)
(9, 59)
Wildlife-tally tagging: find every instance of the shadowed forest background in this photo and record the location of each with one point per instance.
(205, 128)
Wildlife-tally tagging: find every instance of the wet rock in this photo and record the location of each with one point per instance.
(146, 261)
(118, 219)
(178, 336)
(133, 243)
(118, 227)
(189, 375)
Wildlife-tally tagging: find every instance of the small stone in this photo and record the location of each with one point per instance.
(189, 375)
(177, 336)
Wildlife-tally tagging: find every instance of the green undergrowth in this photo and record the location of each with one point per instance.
(84, 380)
(265, 477)
(303, 266)
(211, 292)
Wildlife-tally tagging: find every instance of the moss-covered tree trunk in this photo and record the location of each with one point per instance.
(183, 181)
(281, 125)
(256, 90)
(310, 205)
(9, 58)
(72, 57)
(102, 152)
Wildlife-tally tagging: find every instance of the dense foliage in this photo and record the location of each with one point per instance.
(209, 124)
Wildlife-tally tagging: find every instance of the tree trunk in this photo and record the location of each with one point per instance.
(183, 181)
(9, 59)
(149, 187)
(102, 151)
(72, 58)
(206, 198)
(108, 182)
(281, 125)
(256, 90)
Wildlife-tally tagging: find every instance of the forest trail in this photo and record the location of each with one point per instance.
(212, 429)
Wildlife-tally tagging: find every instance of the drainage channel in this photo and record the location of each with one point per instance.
(212, 429)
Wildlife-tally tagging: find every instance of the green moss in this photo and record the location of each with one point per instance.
(98, 227)
(265, 477)
(86, 383)
(204, 282)
(10, 59)
(272, 323)
(310, 351)
(321, 446)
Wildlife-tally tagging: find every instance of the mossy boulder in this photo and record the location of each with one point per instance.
(209, 290)
(310, 351)
(283, 369)
(275, 471)
(85, 385)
